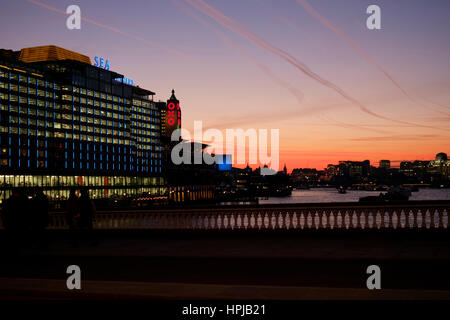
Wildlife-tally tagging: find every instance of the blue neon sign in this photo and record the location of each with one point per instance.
(126, 81)
(104, 64)
(101, 63)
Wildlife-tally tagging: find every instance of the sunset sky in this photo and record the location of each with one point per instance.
(334, 89)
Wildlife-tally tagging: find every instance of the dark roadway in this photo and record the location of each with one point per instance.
(408, 259)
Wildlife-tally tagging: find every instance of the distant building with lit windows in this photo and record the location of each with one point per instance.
(386, 164)
(67, 123)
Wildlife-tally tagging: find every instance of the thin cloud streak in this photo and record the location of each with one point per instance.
(239, 29)
(351, 126)
(113, 29)
(264, 118)
(266, 70)
(399, 138)
(298, 94)
(361, 52)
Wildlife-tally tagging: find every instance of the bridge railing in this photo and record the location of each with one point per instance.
(361, 217)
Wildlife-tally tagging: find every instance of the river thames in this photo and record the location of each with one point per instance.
(329, 195)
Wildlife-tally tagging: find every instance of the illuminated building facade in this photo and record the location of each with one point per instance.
(67, 123)
(170, 116)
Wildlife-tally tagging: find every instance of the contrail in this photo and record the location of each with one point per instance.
(236, 27)
(360, 51)
(350, 125)
(110, 28)
(314, 110)
(265, 69)
(437, 104)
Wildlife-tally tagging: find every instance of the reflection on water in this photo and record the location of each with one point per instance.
(321, 195)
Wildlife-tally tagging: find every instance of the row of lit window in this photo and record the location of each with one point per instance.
(89, 111)
(56, 181)
(150, 158)
(69, 126)
(27, 145)
(139, 113)
(27, 90)
(96, 94)
(144, 103)
(32, 81)
(4, 74)
(68, 97)
(74, 136)
(5, 98)
(84, 119)
(80, 165)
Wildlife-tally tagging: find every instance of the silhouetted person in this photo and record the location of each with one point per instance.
(39, 217)
(86, 208)
(16, 217)
(72, 216)
(39, 214)
(72, 210)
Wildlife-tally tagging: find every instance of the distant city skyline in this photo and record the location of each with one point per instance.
(226, 61)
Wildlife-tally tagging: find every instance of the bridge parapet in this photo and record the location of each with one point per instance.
(271, 218)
